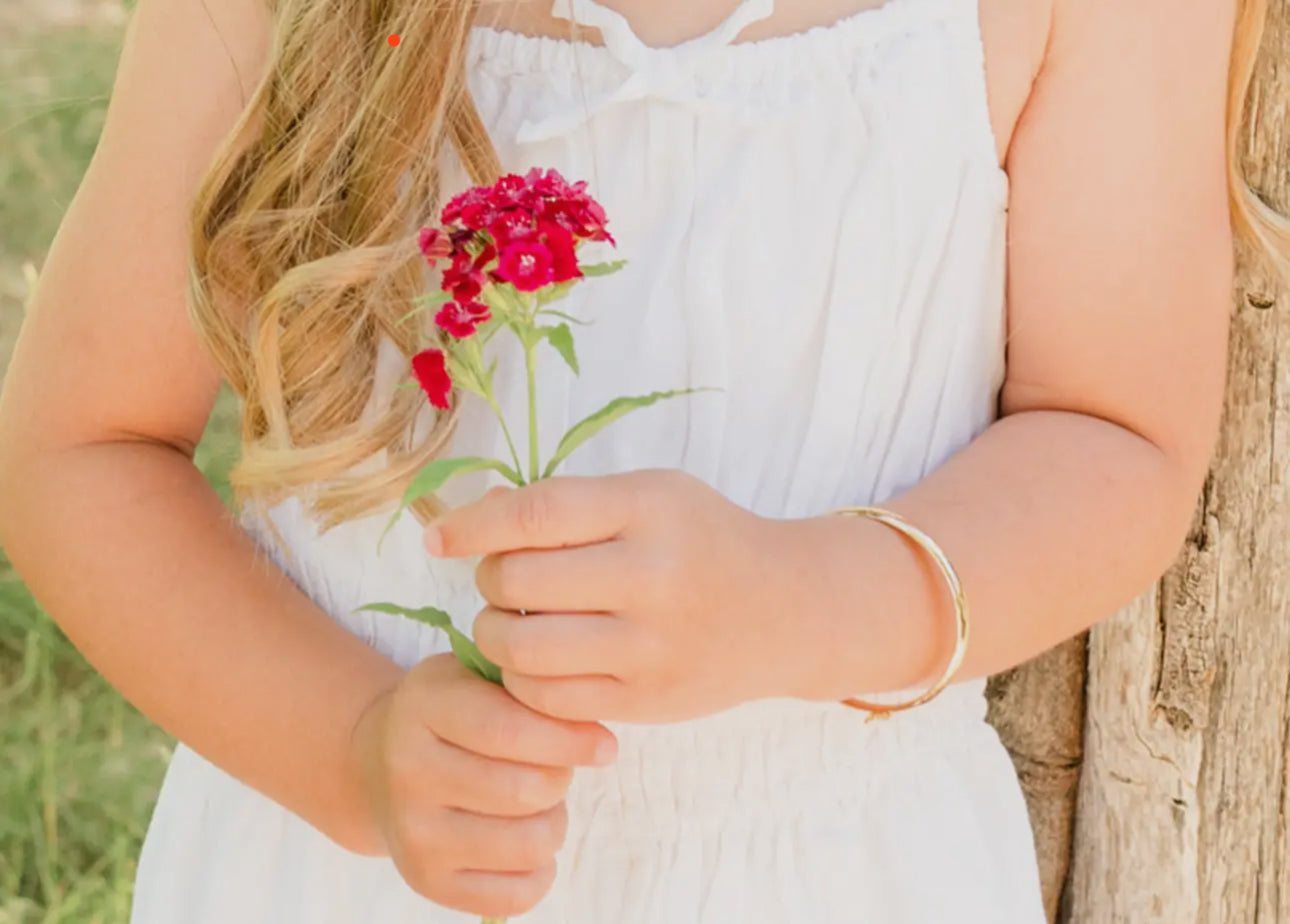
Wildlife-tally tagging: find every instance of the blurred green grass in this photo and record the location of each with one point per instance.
(79, 767)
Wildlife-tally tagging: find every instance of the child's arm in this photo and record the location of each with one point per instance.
(1062, 511)
(1119, 298)
(123, 542)
(101, 508)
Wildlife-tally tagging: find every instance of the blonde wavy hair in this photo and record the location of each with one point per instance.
(306, 224)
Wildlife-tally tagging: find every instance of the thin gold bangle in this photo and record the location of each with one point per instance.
(934, 551)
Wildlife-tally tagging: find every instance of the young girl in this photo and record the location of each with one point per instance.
(822, 204)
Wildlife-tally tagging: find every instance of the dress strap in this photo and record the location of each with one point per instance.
(662, 73)
(623, 43)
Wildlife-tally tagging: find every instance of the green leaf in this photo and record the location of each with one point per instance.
(462, 647)
(562, 339)
(469, 655)
(564, 317)
(427, 614)
(589, 426)
(436, 474)
(602, 269)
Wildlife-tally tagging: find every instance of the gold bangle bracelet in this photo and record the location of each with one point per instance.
(934, 551)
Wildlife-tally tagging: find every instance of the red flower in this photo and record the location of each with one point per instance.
(462, 280)
(594, 221)
(536, 221)
(510, 225)
(528, 265)
(465, 278)
(582, 216)
(507, 190)
(431, 371)
(471, 209)
(548, 183)
(434, 244)
(477, 216)
(560, 213)
(461, 320)
(564, 254)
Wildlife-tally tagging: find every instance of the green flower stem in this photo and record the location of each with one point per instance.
(510, 444)
(533, 422)
(476, 350)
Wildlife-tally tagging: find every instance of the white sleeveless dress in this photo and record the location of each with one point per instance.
(815, 225)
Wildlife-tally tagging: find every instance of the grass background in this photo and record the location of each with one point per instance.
(79, 768)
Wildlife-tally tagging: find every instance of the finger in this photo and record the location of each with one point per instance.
(486, 786)
(496, 895)
(576, 699)
(554, 644)
(583, 579)
(548, 514)
(482, 717)
(482, 843)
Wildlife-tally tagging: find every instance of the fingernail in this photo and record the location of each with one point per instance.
(606, 752)
(434, 540)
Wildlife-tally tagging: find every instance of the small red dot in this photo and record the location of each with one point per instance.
(394, 40)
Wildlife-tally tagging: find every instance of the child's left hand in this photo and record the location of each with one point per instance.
(649, 597)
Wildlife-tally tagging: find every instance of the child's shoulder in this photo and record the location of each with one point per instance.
(222, 47)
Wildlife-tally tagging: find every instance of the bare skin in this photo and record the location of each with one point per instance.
(1119, 273)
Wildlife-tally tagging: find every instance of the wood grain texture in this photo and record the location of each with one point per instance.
(1038, 710)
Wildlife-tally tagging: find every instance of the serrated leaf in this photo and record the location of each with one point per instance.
(469, 655)
(429, 615)
(439, 472)
(561, 338)
(436, 474)
(564, 317)
(589, 426)
(463, 648)
(602, 269)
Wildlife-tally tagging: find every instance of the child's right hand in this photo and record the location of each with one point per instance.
(467, 786)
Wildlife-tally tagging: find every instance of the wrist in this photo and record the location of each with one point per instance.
(868, 610)
(797, 597)
(360, 828)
